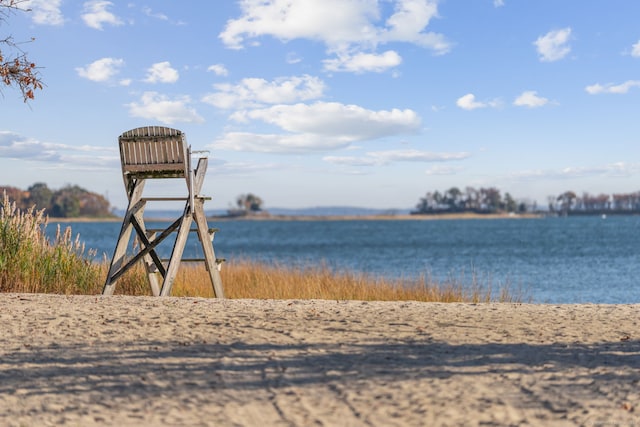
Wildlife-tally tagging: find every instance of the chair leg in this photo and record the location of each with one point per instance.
(152, 272)
(207, 248)
(176, 253)
(135, 204)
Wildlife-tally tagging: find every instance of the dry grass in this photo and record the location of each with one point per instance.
(250, 279)
(29, 262)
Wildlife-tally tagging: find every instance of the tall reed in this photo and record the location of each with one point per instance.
(30, 262)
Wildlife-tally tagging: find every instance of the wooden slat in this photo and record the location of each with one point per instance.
(154, 167)
(154, 151)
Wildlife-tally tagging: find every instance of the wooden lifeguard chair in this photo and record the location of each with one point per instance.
(156, 152)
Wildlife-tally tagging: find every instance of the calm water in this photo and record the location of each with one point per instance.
(558, 260)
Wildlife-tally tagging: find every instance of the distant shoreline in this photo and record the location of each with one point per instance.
(364, 217)
(355, 217)
(268, 217)
(391, 217)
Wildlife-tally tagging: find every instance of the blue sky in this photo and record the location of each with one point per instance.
(335, 102)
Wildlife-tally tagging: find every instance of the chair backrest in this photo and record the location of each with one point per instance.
(154, 152)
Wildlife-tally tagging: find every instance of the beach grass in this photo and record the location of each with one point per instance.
(251, 279)
(31, 262)
(255, 280)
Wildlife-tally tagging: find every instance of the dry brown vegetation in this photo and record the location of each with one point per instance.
(250, 279)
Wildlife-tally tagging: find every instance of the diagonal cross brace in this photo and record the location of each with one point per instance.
(148, 249)
(142, 235)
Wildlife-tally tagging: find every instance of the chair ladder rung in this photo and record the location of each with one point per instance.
(191, 230)
(163, 199)
(173, 199)
(218, 260)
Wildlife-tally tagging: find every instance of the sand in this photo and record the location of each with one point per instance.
(133, 361)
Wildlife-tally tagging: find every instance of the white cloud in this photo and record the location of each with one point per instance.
(333, 119)
(155, 106)
(320, 126)
(416, 156)
(378, 158)
(276, 143)
(45, 12)
(498, 3)
(96, 14)
(331, 21)
(554, 45)
(346, 27)
(469, 102)
(293, 58)
(158, 15)
(635, 50)
(530, 99)
(408, 23)
(101, 70)
(443, 170)
(618, 169)
(15, 146)
(351, 161)
(361, 62)
(162, 72)
(251, 92)
(218, 70)
(611, 88)
(244, 168)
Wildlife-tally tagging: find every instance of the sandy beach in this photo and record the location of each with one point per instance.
(134, 361)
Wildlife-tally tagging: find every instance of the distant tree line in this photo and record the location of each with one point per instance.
(569, 203)
(68, 202)
(476, 200)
